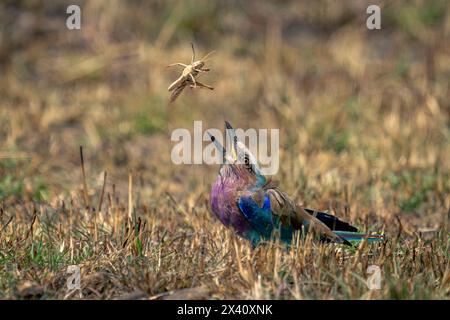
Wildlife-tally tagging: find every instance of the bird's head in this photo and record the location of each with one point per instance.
(238, 162)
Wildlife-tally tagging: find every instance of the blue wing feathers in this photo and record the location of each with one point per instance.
(262, 219)
(266, 224)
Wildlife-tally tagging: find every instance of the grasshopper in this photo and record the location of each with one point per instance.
(188, 75)
(176, 91)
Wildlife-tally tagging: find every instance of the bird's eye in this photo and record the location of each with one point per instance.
(247, 163)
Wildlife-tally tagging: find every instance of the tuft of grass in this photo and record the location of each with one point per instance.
(413, 187)
(10, 186)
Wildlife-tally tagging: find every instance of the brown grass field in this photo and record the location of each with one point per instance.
(364, 119)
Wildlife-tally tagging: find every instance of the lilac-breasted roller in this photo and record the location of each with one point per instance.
(243, 199)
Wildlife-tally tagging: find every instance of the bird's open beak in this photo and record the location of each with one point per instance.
(219, 147)
(232, 155)
(217, 143)
(238, 149)
(232, 137)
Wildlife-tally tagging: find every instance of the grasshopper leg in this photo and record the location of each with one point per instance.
(193, 80)
(177, 64)
(203, 85)
(201, 70)
(175, 84)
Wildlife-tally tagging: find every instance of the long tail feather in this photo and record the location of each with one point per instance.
(354, 236)
(332, 222)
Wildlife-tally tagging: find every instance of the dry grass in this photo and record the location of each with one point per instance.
(364, 122)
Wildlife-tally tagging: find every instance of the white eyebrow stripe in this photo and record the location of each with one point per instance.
(251, 157)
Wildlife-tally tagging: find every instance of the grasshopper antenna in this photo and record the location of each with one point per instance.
(204, 59)
(193, 53)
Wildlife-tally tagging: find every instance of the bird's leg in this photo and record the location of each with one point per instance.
(177, 64)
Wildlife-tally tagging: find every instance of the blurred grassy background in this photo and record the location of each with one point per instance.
(364, 109)
(364, 116)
